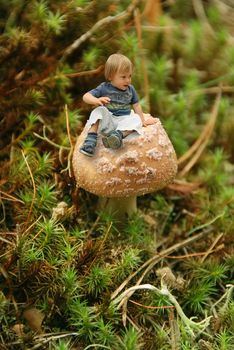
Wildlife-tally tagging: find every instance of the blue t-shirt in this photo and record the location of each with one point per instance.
(121, 100)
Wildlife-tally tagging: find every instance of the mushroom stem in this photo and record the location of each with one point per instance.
(118, 207)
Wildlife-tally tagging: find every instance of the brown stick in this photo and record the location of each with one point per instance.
(210, 250)
(9, 197)
(149, 264)
(152, 307)
(104, 21)
(34, 188)
(200, 144)
(137, 19)
(152, 11)
(95, 71)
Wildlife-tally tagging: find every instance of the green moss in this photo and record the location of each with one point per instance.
(71, 265)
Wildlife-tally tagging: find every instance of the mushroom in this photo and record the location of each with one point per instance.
(146, 163)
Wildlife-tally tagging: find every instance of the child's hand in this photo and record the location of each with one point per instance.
(92, 100)
(104, 100)
(149, 120)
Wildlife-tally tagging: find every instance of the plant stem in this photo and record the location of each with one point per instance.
(149, 264)
(122, 299)
(118, 207)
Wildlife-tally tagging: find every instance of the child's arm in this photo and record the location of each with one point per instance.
(92, 100)
(145, 121)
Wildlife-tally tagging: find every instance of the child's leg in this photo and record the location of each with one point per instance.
(113, 140)
(127, 132)
(94, 127)
(90, 142)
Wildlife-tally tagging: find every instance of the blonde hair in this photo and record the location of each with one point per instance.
(117, 63)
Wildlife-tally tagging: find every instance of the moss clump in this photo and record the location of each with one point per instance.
(62, 260)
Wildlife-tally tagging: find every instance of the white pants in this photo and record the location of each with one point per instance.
(110, 122)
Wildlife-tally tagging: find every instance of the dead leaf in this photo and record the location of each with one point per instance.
(34, 317)
(19, 329)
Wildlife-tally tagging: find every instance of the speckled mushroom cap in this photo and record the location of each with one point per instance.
(145, 163)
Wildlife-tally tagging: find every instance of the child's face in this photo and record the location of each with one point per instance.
(121, 80)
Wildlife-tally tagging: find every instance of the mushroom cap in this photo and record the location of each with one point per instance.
(144, 164)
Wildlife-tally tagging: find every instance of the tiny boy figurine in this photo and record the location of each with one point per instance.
(114, 118)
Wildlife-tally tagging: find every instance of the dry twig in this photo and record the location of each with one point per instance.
(149, 264)
(91, 72)
(175, 331)
(200, 12)
(45, 138)
(200, 144)
(228, 296)
(152, 307)
(190, 325)
(137, 19)
(9, 197)
(104, 21)
(71, 145)
(211, 249)
(152, 11)
(34, 188)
